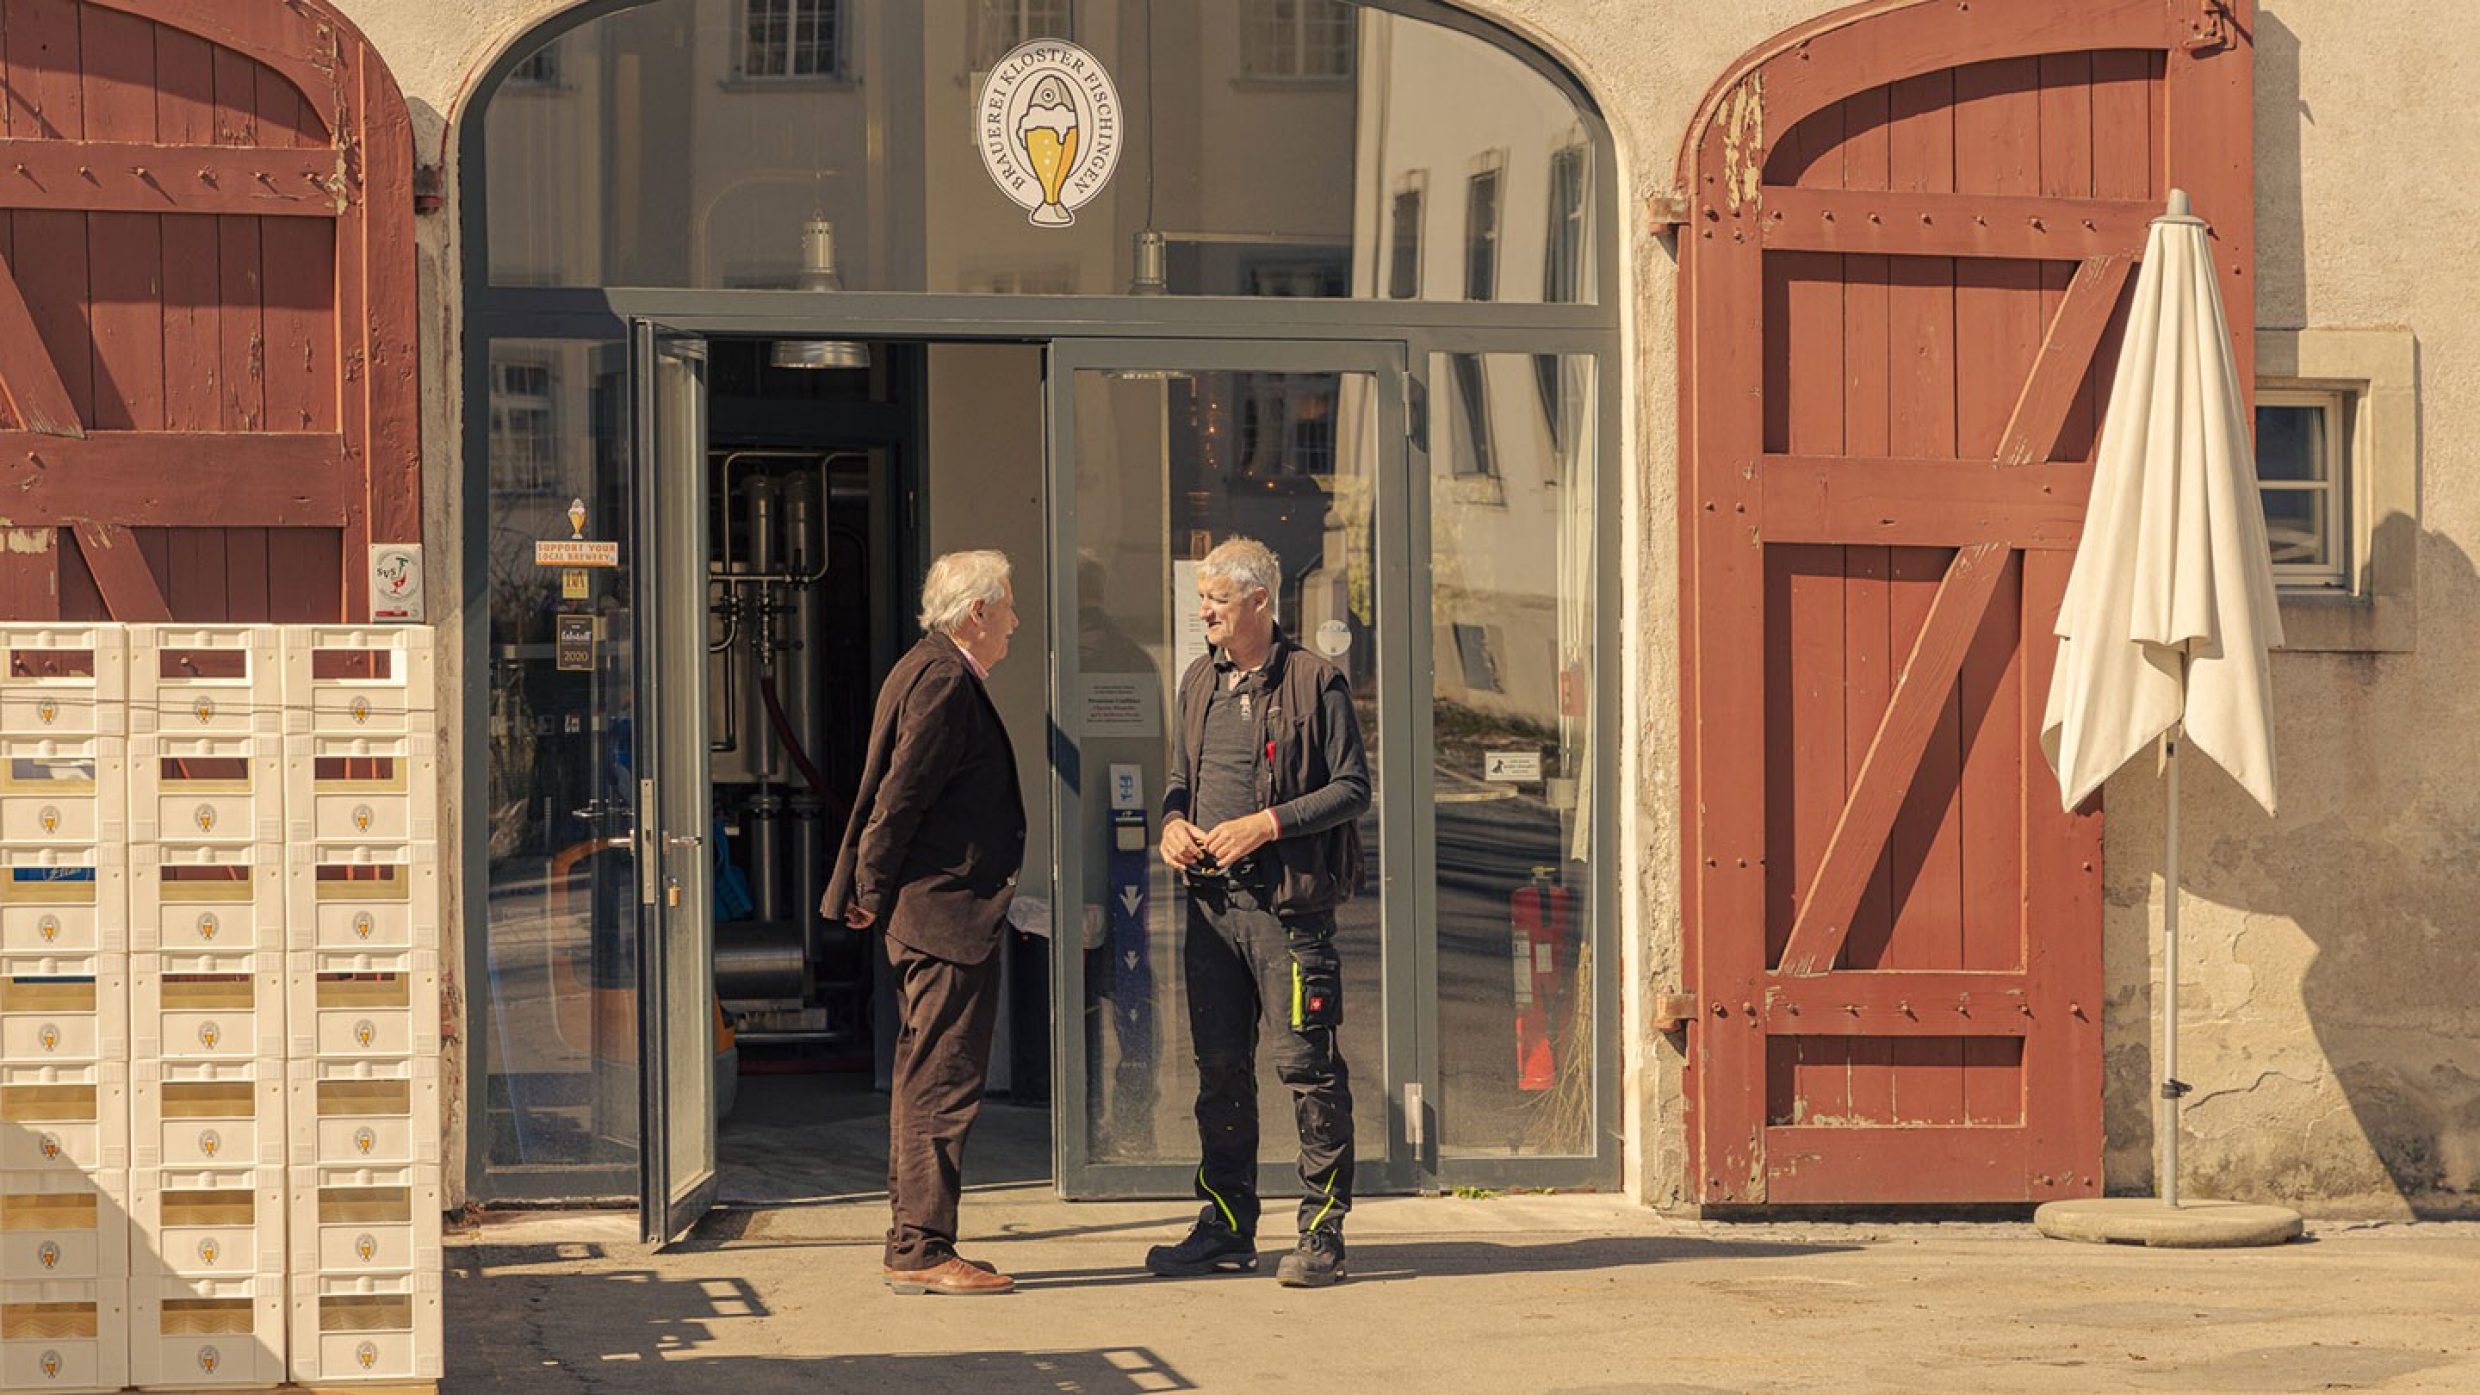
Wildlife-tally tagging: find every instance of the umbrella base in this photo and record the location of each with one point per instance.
(2193, 1225)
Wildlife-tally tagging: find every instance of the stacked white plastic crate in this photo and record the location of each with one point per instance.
(208, 1174)
(361, 767)
(64, 1010)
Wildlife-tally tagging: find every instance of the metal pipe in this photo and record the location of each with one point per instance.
(805, 546)
(2171, 1086)
(766, 830)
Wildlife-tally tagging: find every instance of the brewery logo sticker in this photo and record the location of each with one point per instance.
(1049, 127)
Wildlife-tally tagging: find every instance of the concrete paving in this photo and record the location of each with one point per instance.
(1583, 1295)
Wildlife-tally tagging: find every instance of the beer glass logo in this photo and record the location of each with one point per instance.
(209, 1034)
(209, 1359)
(363, 925)
(49, 817)
(47, 1254)
(364, 1141)
(209, 1251)
(365, 1032)
(49, 1146)
(47, 1036)
(209, 927)
(51, 1365)
(362, 817)
(367, 1354)
(47, 711)
(204, 814)
(203, 710)
(210, 1143)
(49, 928)
(367, 1247)
(360, 711)
(1049, 128)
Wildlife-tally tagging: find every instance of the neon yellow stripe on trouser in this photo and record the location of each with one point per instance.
(1296, 990)
(1219, 1204)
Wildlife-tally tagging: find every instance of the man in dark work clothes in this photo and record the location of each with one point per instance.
(930, 858)
(1261, 816)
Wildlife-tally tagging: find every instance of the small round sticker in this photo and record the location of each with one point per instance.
(48, 1037)
(363, 925)
(47, 711)
(204, 710)
(365, 1032)
(209, 1359)
(48, 927)
(1334, 639)
(210, 1143)
(210, 1250)
(364, 1141)
(209, 926)
(209, 1034)
(49, 1146)
(49, 817)
(367, 1354)
(52, 1365)
(360, 710)
(204, 815)
(362, 817)
(47, 1254)
(367, 1246)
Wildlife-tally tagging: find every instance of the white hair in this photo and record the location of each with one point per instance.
(955, 582)
(1245, 562)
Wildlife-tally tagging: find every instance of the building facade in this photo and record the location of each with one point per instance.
(1490, 345)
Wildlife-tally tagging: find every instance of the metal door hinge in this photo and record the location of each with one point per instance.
(1673, 1010)
(2213, 29)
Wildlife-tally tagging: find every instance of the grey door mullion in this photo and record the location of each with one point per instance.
(1071, 1150)
(1417, 773)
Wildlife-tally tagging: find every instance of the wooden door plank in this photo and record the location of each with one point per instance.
(2061, 373)
(1957, 1002)
(33, 382)
(1921, 696)
(130, 590)
(29, 573)
(1897, 1165)
(1919, 503)
(2063, 967)
(150, 479)
(1977, 225)
(147, 177)
(295, 40)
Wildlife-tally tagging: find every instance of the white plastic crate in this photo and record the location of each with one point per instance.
(63, 1225)
(353, 896)
(64, 680)
(64, 1118)
(362, 789)
(364, 1113)
(207, 1114)
(63, 1009)
(355, 1004)
(64, 789)
(63, 899)
(207, 1007)
(206, 1223)
(190, 1334)
(206, 898)
(365, 1221)
(352, 680)
(64, 1336)
(366, 1327)
(205, 680)
(206, 789)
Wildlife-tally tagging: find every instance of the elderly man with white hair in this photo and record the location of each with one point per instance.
(930, 858)
(1261, 816)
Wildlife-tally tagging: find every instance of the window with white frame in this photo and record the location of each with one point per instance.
(1403, 243)
(781, 39)
(1481, 206)
(1296, 39)
(2303, 457)
(525, 426)
(1562, 267)
(1471, 451)
(1000, 25)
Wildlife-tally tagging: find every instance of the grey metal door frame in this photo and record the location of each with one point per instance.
(676, 1149)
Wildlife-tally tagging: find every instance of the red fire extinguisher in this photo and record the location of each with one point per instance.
(1539, 916)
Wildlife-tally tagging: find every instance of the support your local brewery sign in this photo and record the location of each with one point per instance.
(1050, 129)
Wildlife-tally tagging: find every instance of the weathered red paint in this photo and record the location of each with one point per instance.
(1910, 227)
(206, 335)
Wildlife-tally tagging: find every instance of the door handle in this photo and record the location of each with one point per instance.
(684, 840)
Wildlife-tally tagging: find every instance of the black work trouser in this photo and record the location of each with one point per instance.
(1246, 966)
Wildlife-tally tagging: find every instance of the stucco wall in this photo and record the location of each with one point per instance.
(2332, 1036)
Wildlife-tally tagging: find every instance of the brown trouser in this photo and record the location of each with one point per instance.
(946, 1013)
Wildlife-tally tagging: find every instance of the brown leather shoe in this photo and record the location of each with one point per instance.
(956, 1276)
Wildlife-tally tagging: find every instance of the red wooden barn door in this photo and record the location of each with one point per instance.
(1910, 228)
(206, 311)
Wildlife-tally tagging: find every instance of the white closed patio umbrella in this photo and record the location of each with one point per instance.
(2169, 611)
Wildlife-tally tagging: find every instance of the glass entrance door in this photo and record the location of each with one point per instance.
(677, 1014)
(1159, 451)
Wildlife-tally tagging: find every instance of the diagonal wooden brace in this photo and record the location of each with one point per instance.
(2066, 356)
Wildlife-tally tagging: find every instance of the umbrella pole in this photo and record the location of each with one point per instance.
(2171, 1089)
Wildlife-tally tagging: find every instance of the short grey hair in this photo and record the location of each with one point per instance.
(1248, 563)
(955, 582)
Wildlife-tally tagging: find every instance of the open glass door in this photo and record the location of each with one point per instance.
(1159, 450)
(676, 978)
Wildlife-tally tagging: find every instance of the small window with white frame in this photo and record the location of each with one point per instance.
(1483, 201)
(2303, 471)
(525, 425)
(1403, 262)
(538, 69)
(1001, 25)
(790, 40)
(1297, 40)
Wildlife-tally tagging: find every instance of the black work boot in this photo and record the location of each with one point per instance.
(1211, 1247)
(1317, 1263)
